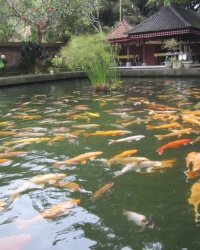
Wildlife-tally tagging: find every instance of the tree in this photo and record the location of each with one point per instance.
(190, 4)
(47, 16)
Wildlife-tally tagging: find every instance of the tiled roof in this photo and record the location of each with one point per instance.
(119, 30)
(169, 18)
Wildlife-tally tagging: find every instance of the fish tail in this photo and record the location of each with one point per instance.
(149, 127)
(58, 164)
(111, 142)
(87, 134)
(118, 173)
(192, 174)
(159, 137)
(124, 212)
(160, 151)
(50, 143)
(22, 223)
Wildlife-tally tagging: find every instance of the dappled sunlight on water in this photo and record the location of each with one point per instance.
(115, 151)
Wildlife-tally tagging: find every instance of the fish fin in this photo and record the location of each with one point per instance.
(160, 151)
(14, 196)
(41, 185)
(192, 174)
(111, 142)
(118, 173)
(52, 182)
(149, 127)
(141, 230)
(159, 137)
(92, 158)
(58, 163)
(83, 161)
(87, 134)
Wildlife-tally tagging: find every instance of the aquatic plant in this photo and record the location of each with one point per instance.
(96, 57)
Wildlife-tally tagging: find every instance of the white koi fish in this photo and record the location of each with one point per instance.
(139, 219)
(137, 165)
(127, 139)
(36, 181)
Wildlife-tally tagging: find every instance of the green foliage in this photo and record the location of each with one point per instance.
(56, 61)
(171, 44)
(94, 55)
(33, 56)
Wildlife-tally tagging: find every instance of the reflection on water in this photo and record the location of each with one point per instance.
(126, 150)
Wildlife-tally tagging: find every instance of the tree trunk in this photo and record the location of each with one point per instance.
(39, 42)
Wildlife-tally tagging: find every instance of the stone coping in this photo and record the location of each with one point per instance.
(142, 71)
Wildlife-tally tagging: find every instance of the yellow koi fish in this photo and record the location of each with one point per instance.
(195, 199)
(80, 158)
(178, 133)
(92, 114)
(4, 133)
(51, 213)
(28, 140)
(164, 126)
(25, 117)
(101, 191)
(2, 205)
(108, 133)
(126, 153)
(57, 138)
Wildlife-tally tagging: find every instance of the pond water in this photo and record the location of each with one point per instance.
(41, 123)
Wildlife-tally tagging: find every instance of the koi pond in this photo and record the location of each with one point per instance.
(85, 170)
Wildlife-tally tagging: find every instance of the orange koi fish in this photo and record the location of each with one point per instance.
(80, 158)
(108, 133)
(192, 174)
(12, 154)
(173, 144)
(101, 191)
(68, 185)
(2, 161)
(50, 213)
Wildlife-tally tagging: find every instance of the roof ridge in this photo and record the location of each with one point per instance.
(173, 8)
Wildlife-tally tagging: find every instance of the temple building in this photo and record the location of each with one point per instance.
(145, 40)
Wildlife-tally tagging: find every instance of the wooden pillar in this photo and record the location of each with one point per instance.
(128, 53)
(144, 53)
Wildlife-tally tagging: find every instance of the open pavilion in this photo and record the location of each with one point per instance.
(145, 40)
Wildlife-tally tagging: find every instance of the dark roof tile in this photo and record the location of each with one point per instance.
(119, 30)
(168, 18)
